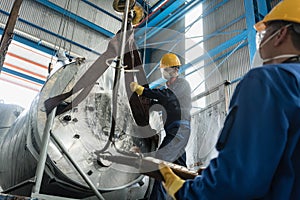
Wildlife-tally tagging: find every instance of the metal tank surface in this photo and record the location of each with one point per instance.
(8, 115)
(83, 131)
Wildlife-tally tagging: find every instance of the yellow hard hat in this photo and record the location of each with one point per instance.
(287, 10)
(169, 60)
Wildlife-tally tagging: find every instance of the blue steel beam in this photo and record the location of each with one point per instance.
(30, 43)
(145, 5)
(208, 55)
(250, 21)
(221, 57)
(76, 18)
(218, 49)
(164, 14)
(165, 21)
(27, 77)
(157, 4)
(214, 8)
(217, 32)
(262, 9)
(155, 10)
(102, 10)
(51, 33)
(178, 16)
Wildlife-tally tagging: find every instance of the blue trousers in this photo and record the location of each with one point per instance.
(176, 135)
(158, 190)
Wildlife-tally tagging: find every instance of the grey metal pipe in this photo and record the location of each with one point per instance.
(124, 30)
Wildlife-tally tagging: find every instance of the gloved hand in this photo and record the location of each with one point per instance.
(135, 87)
(172, 182)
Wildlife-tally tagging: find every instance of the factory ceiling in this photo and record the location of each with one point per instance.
(82, 28)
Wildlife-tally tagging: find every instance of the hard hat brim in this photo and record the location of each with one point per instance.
(260, 26)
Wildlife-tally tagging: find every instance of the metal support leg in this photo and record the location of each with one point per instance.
(82, 174)
(43, 156)
(43, 153)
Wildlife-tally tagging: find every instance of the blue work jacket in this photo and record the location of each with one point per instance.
(259, 146)
(175, 100)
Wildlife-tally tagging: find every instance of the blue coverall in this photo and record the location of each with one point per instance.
(259, 146)
(176, 103)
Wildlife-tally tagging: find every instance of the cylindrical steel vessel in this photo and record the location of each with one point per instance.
(83, 130)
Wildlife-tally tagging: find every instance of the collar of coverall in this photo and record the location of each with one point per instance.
(171, 81)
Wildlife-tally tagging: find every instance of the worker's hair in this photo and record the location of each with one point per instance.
(294, 30)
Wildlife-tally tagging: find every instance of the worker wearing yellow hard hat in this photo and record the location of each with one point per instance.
(284, 15)
(169, 65)
(175, 103)
(287, 10)
(259, 145)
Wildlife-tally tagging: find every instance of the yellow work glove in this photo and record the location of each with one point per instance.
(172, 182)
(135, 87)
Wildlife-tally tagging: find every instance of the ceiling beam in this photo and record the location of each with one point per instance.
(162, 15)
(37, 42)
(76, 18)
(102, 10)
(165, 18)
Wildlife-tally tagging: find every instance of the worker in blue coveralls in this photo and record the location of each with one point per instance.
(175, 100)
(259, 145)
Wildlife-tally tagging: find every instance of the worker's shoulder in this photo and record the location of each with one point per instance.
(275, 71)
(282, 79)
(182, 80)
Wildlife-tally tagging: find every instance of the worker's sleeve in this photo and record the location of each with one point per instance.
(183, 89)
(250, 145)
(161, 95)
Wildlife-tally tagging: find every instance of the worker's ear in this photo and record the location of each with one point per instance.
(281, 36)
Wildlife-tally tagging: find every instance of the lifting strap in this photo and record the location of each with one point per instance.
(139, 105)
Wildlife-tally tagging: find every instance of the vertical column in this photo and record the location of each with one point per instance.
(250, 21)
(9, 31)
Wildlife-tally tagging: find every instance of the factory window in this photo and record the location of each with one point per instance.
(24, 72)
(194, 50)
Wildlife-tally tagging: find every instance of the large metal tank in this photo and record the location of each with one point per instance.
(83, 130)
(8, 115)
